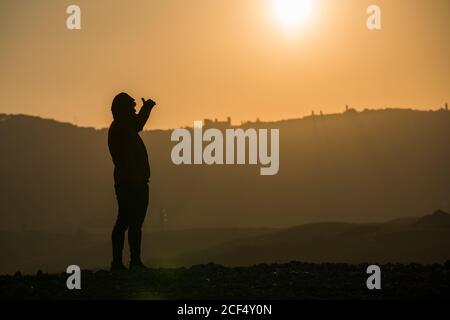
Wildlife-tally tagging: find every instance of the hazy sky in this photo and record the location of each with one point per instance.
(217, 58)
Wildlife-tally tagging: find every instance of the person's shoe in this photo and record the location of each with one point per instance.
(117, 267)
(138, 266)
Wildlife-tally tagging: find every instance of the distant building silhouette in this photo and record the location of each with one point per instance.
(349, 110)
(216, 123)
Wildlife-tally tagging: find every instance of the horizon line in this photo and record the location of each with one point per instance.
(243, 122)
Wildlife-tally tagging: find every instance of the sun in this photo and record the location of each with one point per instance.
(292, 14)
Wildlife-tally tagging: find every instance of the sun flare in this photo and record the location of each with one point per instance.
(293, 14)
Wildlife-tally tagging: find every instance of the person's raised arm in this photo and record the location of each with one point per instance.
(144, 113)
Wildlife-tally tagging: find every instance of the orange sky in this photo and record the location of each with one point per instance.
(217, 58)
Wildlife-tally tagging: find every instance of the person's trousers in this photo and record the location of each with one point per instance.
(132, 201)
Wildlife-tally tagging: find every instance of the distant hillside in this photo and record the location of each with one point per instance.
(356, 167)
(439, 219)
(401, 241)
(51, 252)
(337, 243)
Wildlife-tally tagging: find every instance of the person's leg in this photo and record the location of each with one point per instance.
(136, 222)
(123, 219)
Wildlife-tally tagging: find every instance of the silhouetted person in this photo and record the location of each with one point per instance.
(131, 176)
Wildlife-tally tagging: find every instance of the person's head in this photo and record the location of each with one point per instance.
(123, 106)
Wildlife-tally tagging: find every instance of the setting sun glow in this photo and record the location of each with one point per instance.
(293, 13)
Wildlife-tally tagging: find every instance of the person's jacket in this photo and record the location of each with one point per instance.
(127, 149)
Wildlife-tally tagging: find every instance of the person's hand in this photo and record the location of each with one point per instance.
(148, 103)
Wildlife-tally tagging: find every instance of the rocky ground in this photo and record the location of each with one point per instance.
(292, 280)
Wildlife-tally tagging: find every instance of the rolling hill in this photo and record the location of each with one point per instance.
(410, 241)
(424, 240)
(357, 167)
